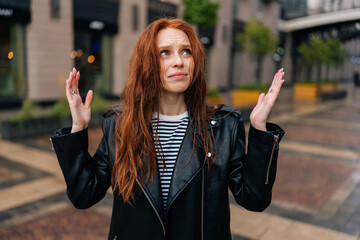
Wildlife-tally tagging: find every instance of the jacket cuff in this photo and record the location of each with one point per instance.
(266, 137)
(63, 136)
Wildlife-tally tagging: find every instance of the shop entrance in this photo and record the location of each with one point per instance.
(12, 60)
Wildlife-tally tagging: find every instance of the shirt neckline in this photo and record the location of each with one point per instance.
(163, 117)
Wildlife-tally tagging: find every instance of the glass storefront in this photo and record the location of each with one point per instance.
(95, 22)
(93, 55)
(12, 60)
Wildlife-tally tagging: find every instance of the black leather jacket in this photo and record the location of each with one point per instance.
(198, 201)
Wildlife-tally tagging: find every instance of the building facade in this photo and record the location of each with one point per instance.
(326, 19)
(42, 40)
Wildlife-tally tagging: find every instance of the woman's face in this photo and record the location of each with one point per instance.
(176, 60)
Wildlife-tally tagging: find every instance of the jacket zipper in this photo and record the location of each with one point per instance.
(202, 204)
(275, 147)
(152, 205)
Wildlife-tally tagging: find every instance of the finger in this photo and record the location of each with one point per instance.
(68, 82)
(276, 92)
(76, 76)
(275, 80)
(77, 79)
(279, 75)
(88, 99)
(73, 83)
(67, 90)
(261, 98)
(278, 79)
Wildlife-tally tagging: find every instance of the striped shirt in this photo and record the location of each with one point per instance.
(170, 131)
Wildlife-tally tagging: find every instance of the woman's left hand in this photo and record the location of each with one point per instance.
(261, 111)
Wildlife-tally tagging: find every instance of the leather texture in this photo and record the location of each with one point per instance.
(198, 202)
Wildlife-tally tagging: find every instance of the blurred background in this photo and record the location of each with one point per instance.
(317, 42)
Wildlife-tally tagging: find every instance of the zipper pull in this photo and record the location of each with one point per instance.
(276, 142)
(52, 145)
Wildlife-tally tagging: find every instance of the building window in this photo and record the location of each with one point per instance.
(135, 14)
(55, 9)
(12, 60)
(93, 58)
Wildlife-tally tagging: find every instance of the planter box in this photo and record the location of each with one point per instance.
(328, 87)
(242, 98)
(44, 125)
(306, 91)
(313, 92)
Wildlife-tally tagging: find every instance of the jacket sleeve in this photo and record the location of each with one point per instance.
(252, 174)
(87, 178)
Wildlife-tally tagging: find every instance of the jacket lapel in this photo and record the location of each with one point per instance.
(152, 188)
(187, 165)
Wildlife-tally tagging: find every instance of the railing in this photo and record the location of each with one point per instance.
(300, 8)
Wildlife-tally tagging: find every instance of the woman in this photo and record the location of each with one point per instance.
(169, 157)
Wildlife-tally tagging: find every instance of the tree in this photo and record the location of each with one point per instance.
(336, 54)
(258, 40)
(202, 13)
(317, 52)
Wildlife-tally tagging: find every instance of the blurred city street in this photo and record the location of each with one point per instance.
(316, 194)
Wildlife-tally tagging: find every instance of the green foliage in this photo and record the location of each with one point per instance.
(60, 109)
(318, 52)
(336, 54)
(99, 105)
(315, 52)
(258, 87)
(257, 39)
(321, 81)
(28, 110)
(213, 92)
(201, 12)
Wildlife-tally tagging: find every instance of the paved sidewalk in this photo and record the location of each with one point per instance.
(316, 195)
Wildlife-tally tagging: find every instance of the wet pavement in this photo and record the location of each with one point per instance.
(316, 194)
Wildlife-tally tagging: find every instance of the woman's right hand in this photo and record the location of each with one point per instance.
(80, 113)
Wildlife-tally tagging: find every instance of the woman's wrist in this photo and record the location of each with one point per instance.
(259, 126)
(77, 128)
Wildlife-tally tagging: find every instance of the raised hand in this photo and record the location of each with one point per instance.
(80, 113)
(261, 111)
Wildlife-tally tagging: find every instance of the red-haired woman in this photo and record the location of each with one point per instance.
(168, 156)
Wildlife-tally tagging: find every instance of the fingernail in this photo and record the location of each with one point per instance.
(73, 68)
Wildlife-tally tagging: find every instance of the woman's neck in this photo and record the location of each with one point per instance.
(172, 104)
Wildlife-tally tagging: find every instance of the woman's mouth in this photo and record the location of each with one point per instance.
(178, 75)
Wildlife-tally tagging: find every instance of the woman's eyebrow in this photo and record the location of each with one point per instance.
(187, 45)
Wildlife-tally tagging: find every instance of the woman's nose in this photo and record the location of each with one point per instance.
(178, 61)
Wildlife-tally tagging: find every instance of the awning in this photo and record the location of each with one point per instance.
(15, 11)
(96, 15)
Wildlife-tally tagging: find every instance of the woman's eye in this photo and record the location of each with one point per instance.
(164, 52)
(187, 52)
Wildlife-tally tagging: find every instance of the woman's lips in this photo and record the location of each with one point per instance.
(178, 75)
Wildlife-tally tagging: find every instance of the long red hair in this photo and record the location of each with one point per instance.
(141, 99)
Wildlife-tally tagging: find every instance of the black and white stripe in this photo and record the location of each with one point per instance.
(170, 132)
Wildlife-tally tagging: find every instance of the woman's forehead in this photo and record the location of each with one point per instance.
(171, 36)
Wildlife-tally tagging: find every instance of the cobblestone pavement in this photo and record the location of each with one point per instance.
(316, 194)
